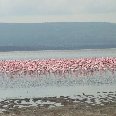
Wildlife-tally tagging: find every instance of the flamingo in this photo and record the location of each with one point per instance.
(79, 66)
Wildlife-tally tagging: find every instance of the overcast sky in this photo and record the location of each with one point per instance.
(57, 10)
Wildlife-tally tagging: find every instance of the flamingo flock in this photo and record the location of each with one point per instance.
(80, 66)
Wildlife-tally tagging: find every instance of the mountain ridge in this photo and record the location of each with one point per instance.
(57, 36)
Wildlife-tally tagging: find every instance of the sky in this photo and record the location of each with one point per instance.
(33, 11)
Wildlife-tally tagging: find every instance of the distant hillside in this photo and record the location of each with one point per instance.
(45, 36)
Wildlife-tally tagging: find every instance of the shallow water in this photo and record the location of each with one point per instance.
(57, 54)
(43, 86)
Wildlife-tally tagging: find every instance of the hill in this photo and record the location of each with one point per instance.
(57, 36)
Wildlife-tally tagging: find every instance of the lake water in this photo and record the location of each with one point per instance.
(21, 87)
(58, 54)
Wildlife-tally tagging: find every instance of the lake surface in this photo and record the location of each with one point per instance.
(21, 87)
(57, 54)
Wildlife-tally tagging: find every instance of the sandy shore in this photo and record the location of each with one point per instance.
(76, 110)
(85, 105)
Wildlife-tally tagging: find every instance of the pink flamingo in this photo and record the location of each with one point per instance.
(81, 66)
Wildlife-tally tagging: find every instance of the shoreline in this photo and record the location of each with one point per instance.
(102, 49)
(62, 106)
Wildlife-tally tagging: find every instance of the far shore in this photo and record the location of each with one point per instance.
(75, 50)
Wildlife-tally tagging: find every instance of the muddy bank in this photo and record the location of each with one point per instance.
(69, 110)
(104, 104)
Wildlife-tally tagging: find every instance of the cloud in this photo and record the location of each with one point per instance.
(13, 8)
(33, 7)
